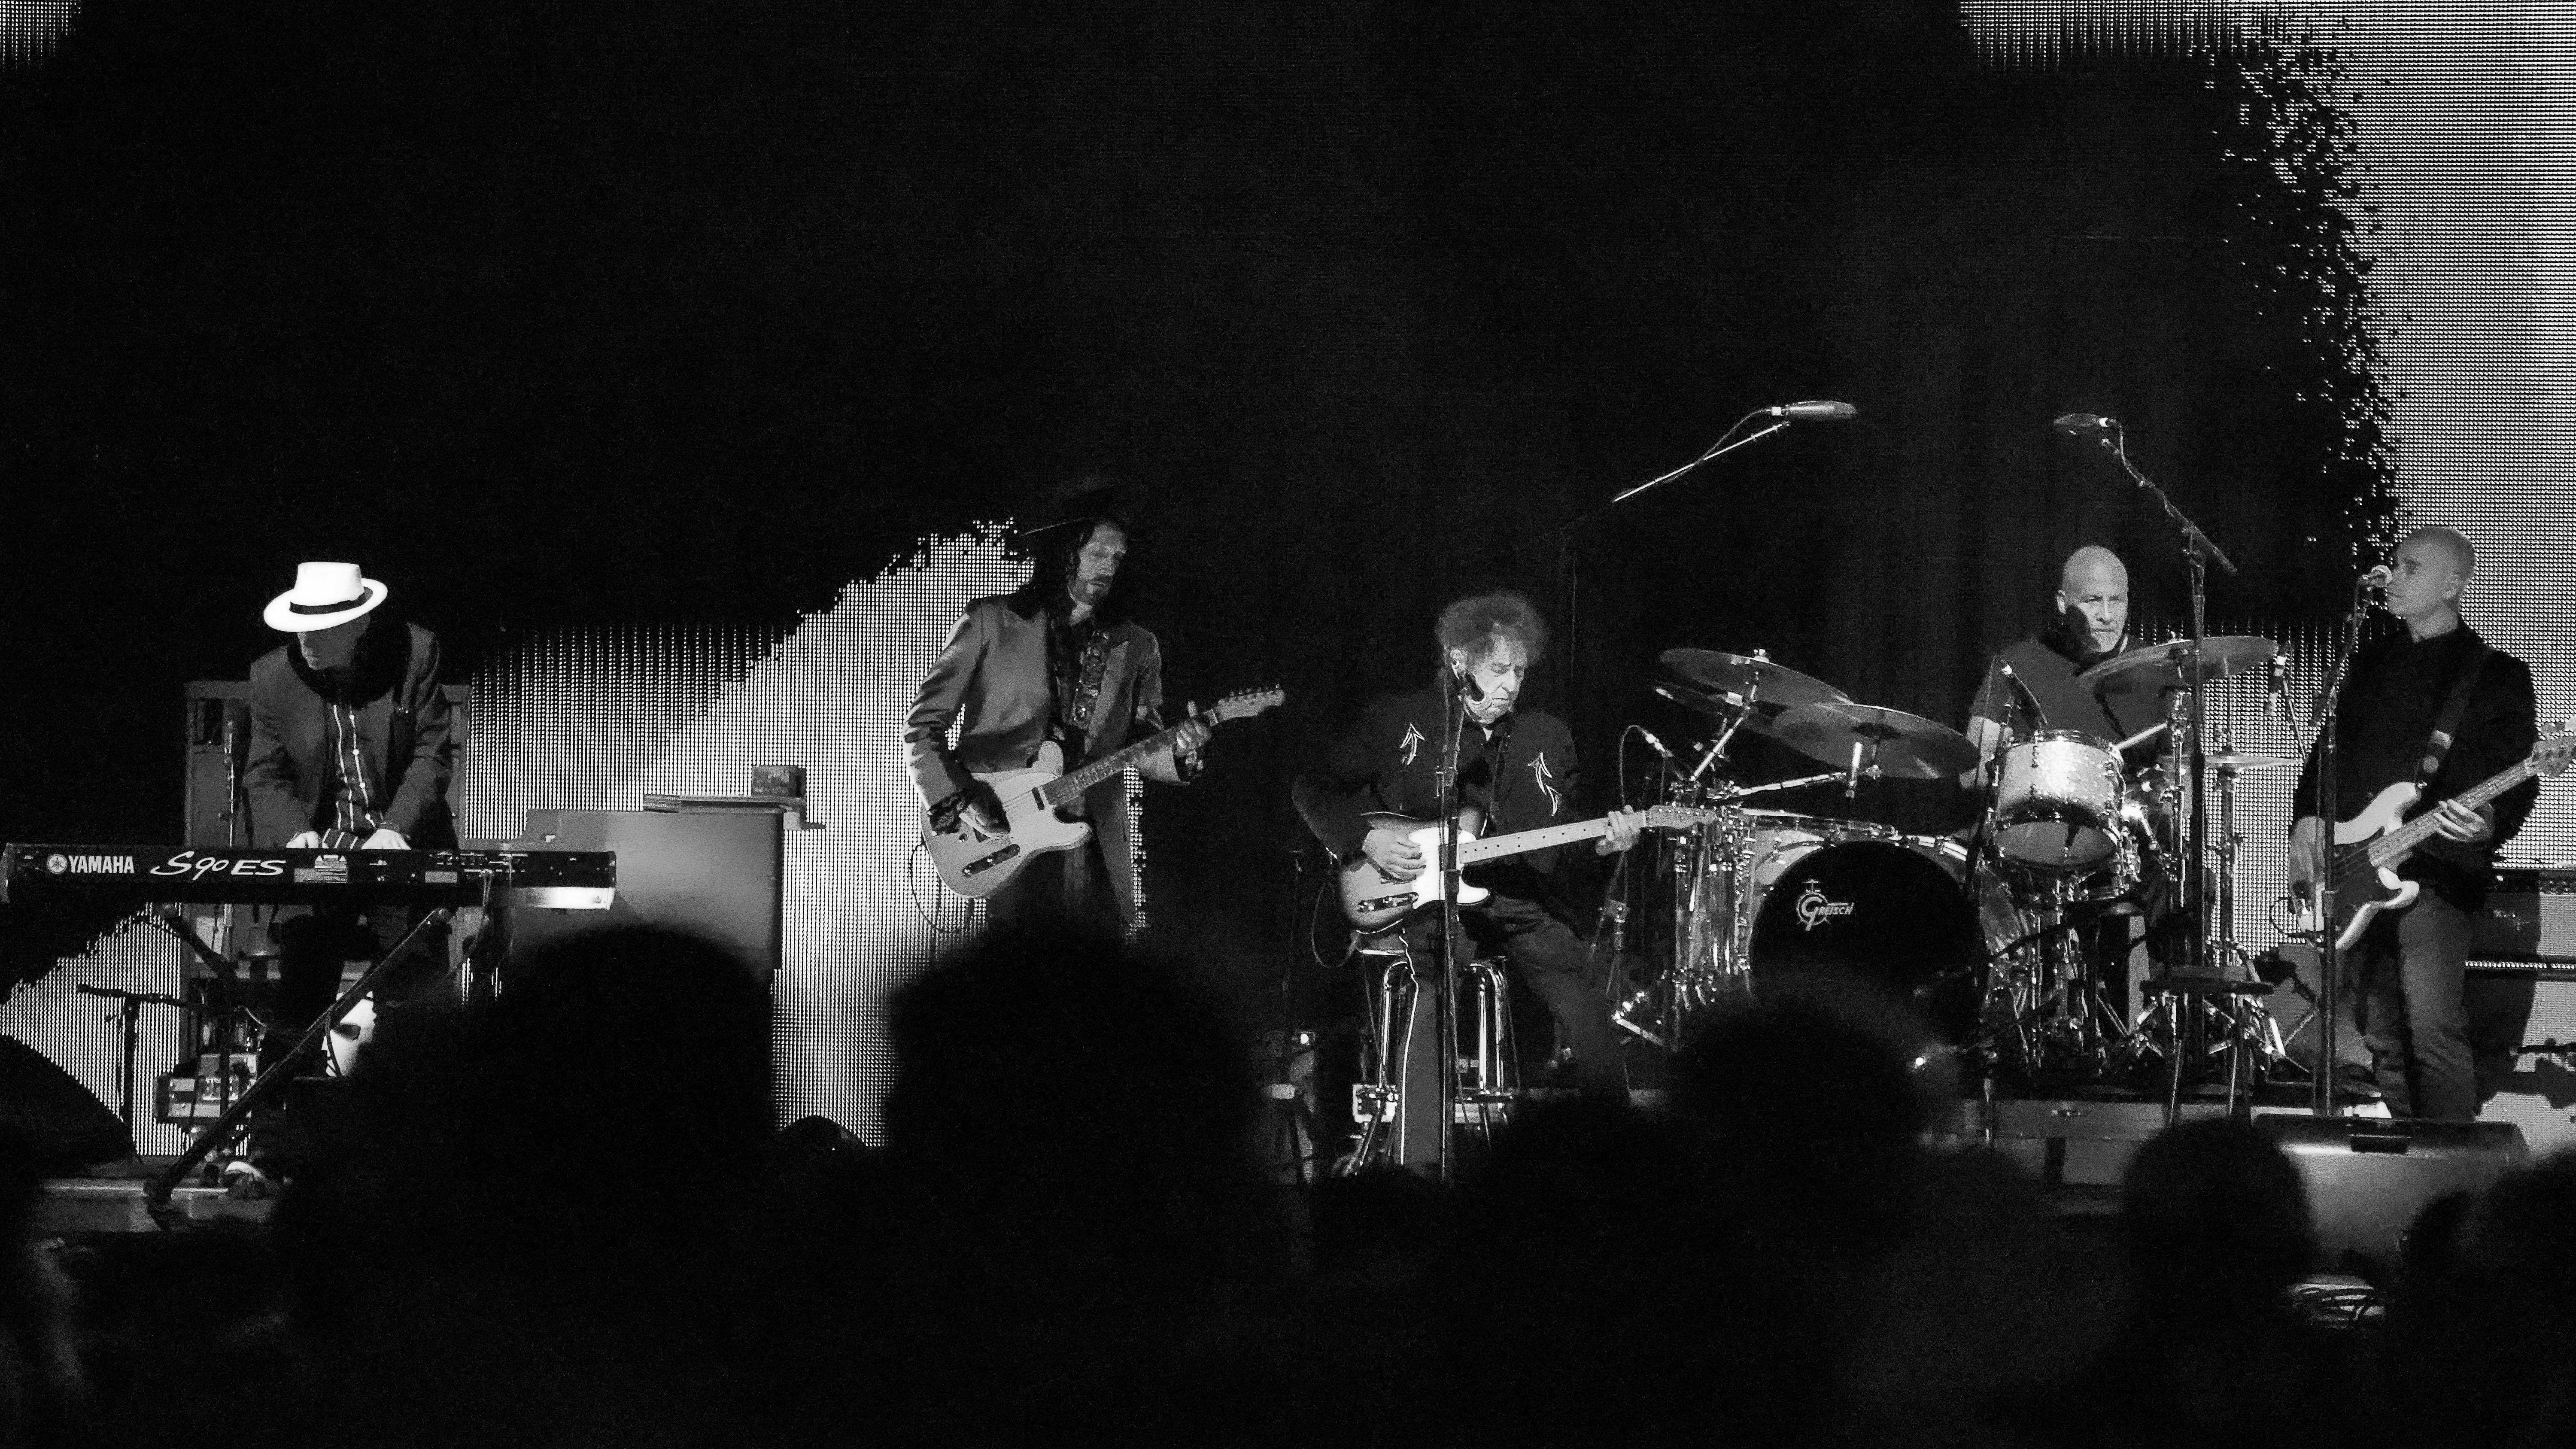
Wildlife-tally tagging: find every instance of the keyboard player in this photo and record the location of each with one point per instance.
(351, 749)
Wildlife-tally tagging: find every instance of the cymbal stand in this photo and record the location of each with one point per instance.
(2198, 553)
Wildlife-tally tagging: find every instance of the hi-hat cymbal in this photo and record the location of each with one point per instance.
(2241, 761)
(1903, 746)
(1748, 677)
(2161, 666)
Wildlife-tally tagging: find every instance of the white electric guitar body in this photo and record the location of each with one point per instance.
(2370, 846)
(976, 862)
(1374, 901)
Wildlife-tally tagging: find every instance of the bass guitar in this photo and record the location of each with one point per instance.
(2370, 846)
(976, 862)
(1374, 900)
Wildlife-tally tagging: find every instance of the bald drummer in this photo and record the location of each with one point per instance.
(2092, 624)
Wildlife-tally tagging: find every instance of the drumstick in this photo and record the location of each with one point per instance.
(2140, 738)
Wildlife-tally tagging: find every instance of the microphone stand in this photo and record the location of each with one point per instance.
(1461, 687)
(2321, 1088)
(1570, 532)
(2198, 551)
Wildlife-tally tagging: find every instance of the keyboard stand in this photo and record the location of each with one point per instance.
(158, 1192)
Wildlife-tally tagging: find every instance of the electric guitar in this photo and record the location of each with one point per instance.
(1374, 900)
(2370, 846)
(976, 862)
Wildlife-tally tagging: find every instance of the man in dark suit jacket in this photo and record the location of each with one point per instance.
(1517, 768)
(351, 748)
(1059, 661)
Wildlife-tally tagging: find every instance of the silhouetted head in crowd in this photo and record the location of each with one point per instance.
(1831, 1060)
(1037, 1055)
(2214, 1215)
(525, 1215)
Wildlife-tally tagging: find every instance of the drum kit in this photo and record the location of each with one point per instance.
(2011, 937)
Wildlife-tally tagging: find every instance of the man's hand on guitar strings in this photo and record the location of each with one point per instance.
(1393, 853)
(2455, 821)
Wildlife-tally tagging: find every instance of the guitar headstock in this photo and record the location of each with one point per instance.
(2557, 746)
(1244, 704)
(1679, 817)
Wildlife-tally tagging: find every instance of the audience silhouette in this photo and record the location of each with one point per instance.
(564, 1218)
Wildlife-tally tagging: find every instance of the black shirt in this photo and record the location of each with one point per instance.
(2390, 701)
(1520, 776)
(2047, 670)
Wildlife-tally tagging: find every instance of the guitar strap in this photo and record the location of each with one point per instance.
(2446, 725)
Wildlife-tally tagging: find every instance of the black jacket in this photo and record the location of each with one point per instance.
(403, 721)
(2390, 703)
(1523, 778)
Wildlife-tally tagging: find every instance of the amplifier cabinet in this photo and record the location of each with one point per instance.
(2530, 916)
(2369, 1177)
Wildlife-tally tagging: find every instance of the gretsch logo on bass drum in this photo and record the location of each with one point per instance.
(1815, 908)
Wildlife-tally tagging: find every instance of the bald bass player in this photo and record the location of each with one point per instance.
(2440, 1042)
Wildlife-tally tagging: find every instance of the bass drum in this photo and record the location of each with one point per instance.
(1881, 912)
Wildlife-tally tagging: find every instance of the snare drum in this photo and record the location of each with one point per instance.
(2057, 803)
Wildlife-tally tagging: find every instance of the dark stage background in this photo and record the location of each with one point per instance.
(653, 312)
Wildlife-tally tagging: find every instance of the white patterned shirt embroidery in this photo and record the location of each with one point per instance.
(1546, 783)
(1411, 744)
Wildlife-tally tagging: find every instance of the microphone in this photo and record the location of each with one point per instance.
(1467, 685)
(2378, 579)
(1649, 737)
(2076, 425)
(2279, 689)
(1814, 412)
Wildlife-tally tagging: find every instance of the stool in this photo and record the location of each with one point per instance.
(1400, 1071)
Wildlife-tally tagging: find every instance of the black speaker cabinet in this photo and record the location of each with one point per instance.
(2368, 1177)
(718, 874)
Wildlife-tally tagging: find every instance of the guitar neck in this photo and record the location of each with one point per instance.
(1074, 784)
(1476, 852)
(2416, 831)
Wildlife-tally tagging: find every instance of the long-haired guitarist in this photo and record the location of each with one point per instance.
(2440, 1043)
(1517, 769)
(1059, 661)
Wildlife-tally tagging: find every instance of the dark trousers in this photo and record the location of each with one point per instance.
(312, 945)
(2440, 1042)
(1060, 890)
(1544, 952)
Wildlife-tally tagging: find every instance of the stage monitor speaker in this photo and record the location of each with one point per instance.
(718, 874)
(2369, 1177)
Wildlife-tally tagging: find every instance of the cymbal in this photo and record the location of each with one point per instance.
(2160, 666)
(1701, 701)
(1748, 677)
(2241, 761)
(1903, 746)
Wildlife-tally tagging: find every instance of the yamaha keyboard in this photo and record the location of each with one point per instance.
(41, 876)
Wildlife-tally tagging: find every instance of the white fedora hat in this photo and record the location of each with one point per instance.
(324, 594)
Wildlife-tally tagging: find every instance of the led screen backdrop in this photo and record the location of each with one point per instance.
(599, 719)
(2461, 118)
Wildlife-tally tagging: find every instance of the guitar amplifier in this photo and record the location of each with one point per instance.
(2530, 917)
